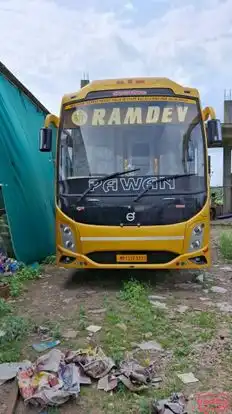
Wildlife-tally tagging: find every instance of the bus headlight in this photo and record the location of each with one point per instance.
(196, 237)
(68, 239)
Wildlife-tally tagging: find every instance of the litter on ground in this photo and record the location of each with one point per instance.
(93, 328)
(50, 381)
(187, 378)
(209, 402)
(175, 404)
(70, 334)
(158, 305)
(150, 345)
(43, 346)
(8, 266)
(8, 371)
(57, 376)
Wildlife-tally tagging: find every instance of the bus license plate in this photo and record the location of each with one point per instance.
(139, 258)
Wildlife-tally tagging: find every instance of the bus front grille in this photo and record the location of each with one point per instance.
(153, 257)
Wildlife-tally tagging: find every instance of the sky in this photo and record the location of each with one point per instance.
(48, 44)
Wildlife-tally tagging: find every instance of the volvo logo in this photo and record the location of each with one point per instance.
(130, 216)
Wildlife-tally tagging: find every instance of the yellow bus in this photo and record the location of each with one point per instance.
(132, 182)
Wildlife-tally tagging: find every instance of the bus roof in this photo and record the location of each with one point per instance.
(130, 83)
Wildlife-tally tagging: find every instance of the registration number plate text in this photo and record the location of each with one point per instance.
(135, 258)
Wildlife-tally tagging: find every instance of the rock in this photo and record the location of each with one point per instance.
(226, 269)
(224, 307)
(218, 289)
(150, 346)
(67, 300)
(200, 278)
(90, 292)
(93, 328)
(224, 334)
(159, 305)
(122, 326)
(209, 303)
(182, 308)
(203, 299)
(70, 334)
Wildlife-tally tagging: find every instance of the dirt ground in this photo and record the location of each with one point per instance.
(195, 339)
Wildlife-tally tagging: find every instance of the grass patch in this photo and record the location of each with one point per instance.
(144, 406)
(50, 260)
(201, 319)
(225, 244)
(53, 410)
(15, 330)
(25, 274)
(5, 308)
(54, 329)
(82, 318)
(132, 319)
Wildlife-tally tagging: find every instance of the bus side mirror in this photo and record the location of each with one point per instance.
(45, 140)
(214, 131)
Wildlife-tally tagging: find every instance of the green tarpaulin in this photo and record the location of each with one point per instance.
(26, 175)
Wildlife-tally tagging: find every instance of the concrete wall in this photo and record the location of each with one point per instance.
(228, 112)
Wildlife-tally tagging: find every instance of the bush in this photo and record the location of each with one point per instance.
(226, 245)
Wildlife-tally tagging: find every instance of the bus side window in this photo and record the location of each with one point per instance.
(196, 152)
(66, 155)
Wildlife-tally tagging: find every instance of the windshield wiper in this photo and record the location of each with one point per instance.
(105, 178)
(160, 180)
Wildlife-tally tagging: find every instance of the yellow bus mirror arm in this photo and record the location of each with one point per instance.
(51, 119)
(208, 112)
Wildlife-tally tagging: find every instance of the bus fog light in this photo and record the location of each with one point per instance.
(196, 240)
(67, 237)
(69, 244)
(196, 244)
(67, 230)
(198, 230)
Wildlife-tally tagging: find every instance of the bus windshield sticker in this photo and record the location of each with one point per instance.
(130, 115)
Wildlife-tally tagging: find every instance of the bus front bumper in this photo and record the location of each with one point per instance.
(195, 260)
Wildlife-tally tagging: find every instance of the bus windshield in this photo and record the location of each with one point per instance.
(158, 136)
